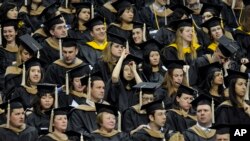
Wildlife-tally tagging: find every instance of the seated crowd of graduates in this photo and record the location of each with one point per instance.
(121, 70)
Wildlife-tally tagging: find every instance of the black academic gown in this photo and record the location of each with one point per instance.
(28, 133)
(27, 94)
(123, 31)
(178, 121)
(50, 51)
(40, 122)
(7, 57)
(243, 39)
(195, 133)
(120, 96)
(53, 137)
(73, 97)
(68, 14)
(229, 19)
(40, 35)
(83, 119)
(228, 114)
(108, 12)
(147, 16)
(83, 36)
(133, 117)
(56, 72)
(161, 93)
(104, 69)
(89, 54)
(146, 134)
(165, 36)
(97, 135)
(13, 79)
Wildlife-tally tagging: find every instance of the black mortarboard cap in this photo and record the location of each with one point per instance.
(132, 57)
(187, 90)
(246, 2)
(207, 69)
(185, 10)
(10, 22)
(151, 45)
(81, 5)
(227, 46)
(53, 21)
(221, 128)
(137, 24)
(180, 23)
(120, 5)
(60, 111)
(232, 74)
(44, 88)
(156, 105)
(15, 103)
(6, 6)
(203, 99)
(116, 39)
(106, 108)
(85, 78)
(174, 64)
(97, 20)
(30, 44)
(79, 71)
(214, 21)
(212, 8)
(69, 42)
(49, 11)
(147, 87)
(32, 62)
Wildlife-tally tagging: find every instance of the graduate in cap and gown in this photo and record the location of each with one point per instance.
(185, 47)
(90, 52)
(77, 91)
(134, 118)
(110, 56)
(181, 116)
(68, 60)
(47, 14)
(152, 62)
(204, 105)
(123, 24)
(124, 76)
(235, 110)
(55, 27)
(32, 74)
(222, 131)
(83, 14)
(58, 124)
(83, 117)
(15, 128)
(107, 11)
(174, 76)
(28, 48)
(67, 11)
(44, 101)
(106, 120)
(166, 35)
(30, 13)
(154, 130)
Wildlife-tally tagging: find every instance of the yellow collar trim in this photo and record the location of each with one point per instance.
(11, 48)
(86, 108)
(105, 134)
(78, 94)
(185, 50)
(94, 45)
(184, 114)
(56, 137)
(202, 133)
(31, 90)
(66, 10)
(53, 43)
(36, 12)
(61, 63)
(164, 13)
(41, 32)
(137, 108)
(241, 29)
(153, 133)
(109, 7)
(213, 46)
(13, 70)
(16, 130)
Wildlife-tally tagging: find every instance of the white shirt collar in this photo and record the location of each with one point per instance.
(203, 128)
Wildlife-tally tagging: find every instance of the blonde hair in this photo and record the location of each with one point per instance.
(19, 54)
(108, 57)
(245, 19)
(179, 43)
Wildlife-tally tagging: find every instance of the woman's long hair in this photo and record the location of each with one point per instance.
(232, 93)
(245, 19)
(107, 56)
(37, 104)
(179, 43)
(28, 82)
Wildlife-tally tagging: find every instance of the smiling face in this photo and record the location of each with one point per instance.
(9, 33)
(137, 35)
(35, 74)
(186, 34)
(108, 121)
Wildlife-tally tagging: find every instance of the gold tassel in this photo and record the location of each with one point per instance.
(144, 33)
(67, 83)
(60, 48)
(89, 88)
(0, 35)
(8, 114)
(26, 2)
(56, 97)
(247, 91)
(92, 11)
(119, 121)
(212, 107)
(66, 3)
(23, 75)
(51, 121)
(38, 54)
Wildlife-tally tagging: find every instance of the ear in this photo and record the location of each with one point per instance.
(91, 33)
(151, 118)
(77, 50)
(51, 32)
(178, 99)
